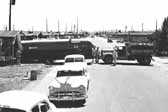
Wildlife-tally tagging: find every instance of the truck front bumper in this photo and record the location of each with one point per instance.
(67, 98)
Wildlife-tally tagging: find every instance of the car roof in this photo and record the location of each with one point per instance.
(21, 99)
(75, 56)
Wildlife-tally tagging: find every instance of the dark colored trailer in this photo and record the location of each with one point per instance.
(49, 50)
(10, 47)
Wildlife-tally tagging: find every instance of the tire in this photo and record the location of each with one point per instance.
(108, 59)
(82, 102)
(2, 63)
(144, 61)
(147, 61)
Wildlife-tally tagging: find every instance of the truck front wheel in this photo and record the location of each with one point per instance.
(108, 59)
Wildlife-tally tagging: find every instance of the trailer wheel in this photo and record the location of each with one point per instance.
(147, 61)
(2, 63)
(144, 61)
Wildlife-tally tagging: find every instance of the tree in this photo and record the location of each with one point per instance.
(160, 38)
(164, 34)
(165, 29)
(156, 40)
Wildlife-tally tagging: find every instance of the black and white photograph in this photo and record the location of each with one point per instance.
(83, 56)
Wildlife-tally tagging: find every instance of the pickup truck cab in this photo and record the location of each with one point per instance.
(135, 46)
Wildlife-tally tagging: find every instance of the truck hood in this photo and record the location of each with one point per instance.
(83, 64)
(107, 49)
(73, 81)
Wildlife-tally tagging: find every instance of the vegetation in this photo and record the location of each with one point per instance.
(160, 38)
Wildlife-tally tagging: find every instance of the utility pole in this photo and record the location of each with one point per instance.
(10, 6)
(11, 2)
(13, 27)
(126, 28)
(32, 28)
(66, 28)
(5, 27)
(142, 27)
(74, 28)
(58, 27)
(132, 28)
(46, 25)
(156, 25)
(77, 26)
(71, 28)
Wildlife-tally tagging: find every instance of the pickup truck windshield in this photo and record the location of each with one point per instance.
(69, 73)
(69, 60)
(2, 109)
(78, 59)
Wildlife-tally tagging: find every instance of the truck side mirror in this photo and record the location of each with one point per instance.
(126, 44)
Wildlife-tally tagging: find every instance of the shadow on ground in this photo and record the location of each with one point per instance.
(125, 63)
(68, 104)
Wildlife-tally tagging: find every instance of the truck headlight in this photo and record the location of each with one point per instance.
(51, 88)
(82, 89)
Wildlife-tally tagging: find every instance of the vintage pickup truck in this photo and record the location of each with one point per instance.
(137, 46)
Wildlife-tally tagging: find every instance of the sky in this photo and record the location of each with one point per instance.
(93, 15)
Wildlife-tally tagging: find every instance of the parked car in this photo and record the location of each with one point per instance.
(25, 101)
(70, 84)
(75, 58)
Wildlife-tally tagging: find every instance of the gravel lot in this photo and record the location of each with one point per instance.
(13, 77)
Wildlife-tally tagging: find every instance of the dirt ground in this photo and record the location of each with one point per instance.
(13, 77)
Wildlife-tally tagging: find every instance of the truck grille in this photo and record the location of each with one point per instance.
(67, 93)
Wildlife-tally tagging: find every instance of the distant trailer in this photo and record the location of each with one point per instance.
(48, 50)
